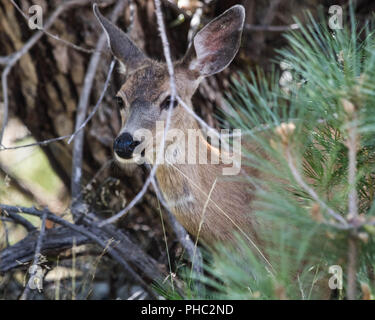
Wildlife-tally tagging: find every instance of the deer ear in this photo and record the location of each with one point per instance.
(120, 44)
(216, 45)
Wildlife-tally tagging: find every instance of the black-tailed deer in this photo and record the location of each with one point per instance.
(205, 201)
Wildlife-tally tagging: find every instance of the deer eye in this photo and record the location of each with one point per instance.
(120, 103)
(167, 102)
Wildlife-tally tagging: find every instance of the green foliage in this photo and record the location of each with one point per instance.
(304, 126)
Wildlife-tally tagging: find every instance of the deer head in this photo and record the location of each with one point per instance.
(144, 98)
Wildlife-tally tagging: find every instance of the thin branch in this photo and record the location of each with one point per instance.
(167, 55)
(70, 136)
(36, 144)
(311, 191)
(80, 118)
(110, 71)
(13, 59)
(262, 28)
(183, 237)
(4, 86)
(82, 110)
(33, 269)
(97, 235)
(56, 37)
(352, 144)
(16, 218)
(351, 290)
(132, 9)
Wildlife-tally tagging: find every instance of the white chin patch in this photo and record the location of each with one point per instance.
(134, 160)
(122, 160)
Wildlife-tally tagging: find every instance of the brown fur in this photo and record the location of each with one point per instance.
(185, 187)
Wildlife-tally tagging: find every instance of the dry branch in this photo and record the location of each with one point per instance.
(167, 55)
(124, 251)
(56, 37)
(12, 59)
(82, 110)
(37, 252)
(182, 235)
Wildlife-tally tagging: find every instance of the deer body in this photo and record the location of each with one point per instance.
(208, 204)
(202, 198)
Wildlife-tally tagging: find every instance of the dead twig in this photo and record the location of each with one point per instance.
(36, 144)
(33, 268)
(167, 55)
(71, 136)
(16, 218)
(56, 37)
(123, 246)
(183, 237)
(82, 110)
(12, 59)
(95, 109)
(263, 28)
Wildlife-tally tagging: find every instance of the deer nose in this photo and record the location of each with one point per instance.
(124, 145)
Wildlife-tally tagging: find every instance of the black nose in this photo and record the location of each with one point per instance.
(124, 145)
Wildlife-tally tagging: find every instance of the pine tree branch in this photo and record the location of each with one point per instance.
(342, 223)
(352, 144)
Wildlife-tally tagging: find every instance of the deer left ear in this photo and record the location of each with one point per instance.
(216, 45)
(121, 46)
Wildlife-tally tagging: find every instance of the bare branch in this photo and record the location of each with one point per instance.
(56, 37)
(38, 248)
(124, 248)
(167, 55)
(4, 86)
(261, 28)
(82, 109)
(16, 218)
(71, 136)
(13, 59)
(183, 237)
(36, 144)
(111, 67)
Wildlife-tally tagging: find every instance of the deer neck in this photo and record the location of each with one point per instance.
(181, 183)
